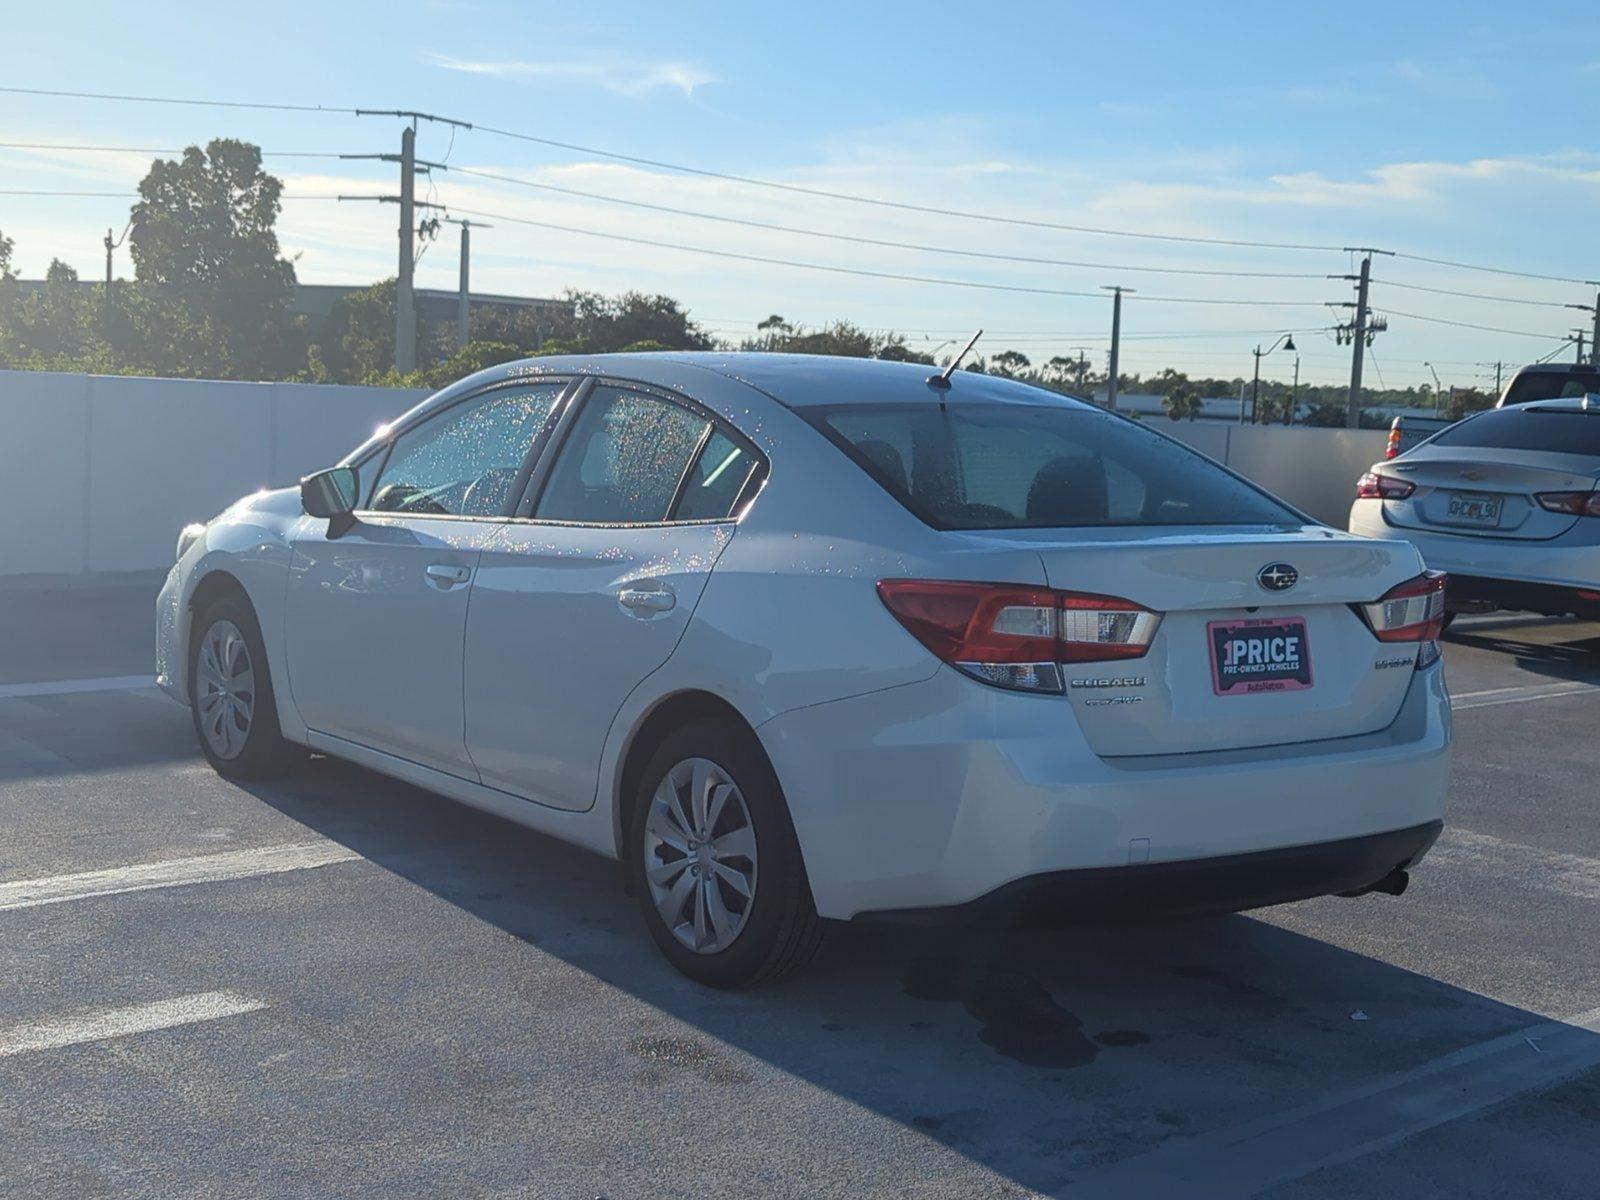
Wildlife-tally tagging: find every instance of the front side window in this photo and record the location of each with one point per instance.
(623, 460)
(1020, 466)
(464, 461)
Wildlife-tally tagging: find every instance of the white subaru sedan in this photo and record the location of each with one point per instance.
(1505, 502)
(799, 639)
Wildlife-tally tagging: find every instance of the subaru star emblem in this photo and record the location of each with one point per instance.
(1277, 577)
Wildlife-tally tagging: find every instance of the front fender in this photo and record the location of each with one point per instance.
(251, 544)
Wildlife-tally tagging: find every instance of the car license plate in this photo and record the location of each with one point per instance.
(1263, 654)
(1473, 508)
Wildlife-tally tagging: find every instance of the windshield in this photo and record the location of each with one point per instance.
(1015, 466)
(1551, 385)
(1555, 431)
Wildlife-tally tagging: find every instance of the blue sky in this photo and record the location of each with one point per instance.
(1456, 131)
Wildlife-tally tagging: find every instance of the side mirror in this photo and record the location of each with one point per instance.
(332, 494)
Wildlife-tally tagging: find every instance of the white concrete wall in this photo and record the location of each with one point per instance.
(1314, 469)
(107, 469)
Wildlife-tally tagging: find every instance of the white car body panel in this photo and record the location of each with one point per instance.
(1529, 544)
(909, 783)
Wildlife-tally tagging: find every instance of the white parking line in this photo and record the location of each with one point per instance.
(1250, 1158)
(1518, 863)
(67, 687)
(1519, 695)
(106, 1023)
(177, 872)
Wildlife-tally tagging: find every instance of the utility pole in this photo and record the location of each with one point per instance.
(1116, 339)
(405, 302)
(405, 306)
(1577, 338)
(1360, 331)
(463, 296)
(1294, 394)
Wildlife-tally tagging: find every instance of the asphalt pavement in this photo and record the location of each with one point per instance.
(336, 984)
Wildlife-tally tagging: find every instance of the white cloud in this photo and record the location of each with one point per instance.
(624, 76)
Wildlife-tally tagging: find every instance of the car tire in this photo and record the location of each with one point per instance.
(697, 913)
(231, 699)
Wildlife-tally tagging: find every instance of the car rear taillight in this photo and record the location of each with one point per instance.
(1391, 448)
(1412, 611)
(1579, 504)
(1016, 636)
(1377, 486)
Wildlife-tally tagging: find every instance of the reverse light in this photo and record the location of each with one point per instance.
(1377, 486)
(1579, 504)
(1412, 611)
(1016, 636)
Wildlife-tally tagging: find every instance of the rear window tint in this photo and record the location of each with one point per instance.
(1018, 466)
(1552, 385)
(1547, 430)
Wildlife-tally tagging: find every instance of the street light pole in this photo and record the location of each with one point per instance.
(1437, 387)
(1287, 342)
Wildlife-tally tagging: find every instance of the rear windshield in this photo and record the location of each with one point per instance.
(1018, 466)
(1551, 385)
(1527, 429)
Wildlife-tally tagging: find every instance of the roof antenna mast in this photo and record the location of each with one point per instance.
(942, 379)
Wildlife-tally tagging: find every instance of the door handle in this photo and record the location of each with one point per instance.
(644, 601)
(445, 576)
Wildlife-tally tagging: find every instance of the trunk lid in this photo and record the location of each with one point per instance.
(1486, 492)
(1205, 583)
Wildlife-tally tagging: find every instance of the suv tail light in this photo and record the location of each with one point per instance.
(1391, 448)
(1376, 486)
(1579, 504)
(1412, 611)
(1016, 636)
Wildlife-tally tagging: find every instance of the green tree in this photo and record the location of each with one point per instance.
(1010, 363)
(6, 246)
(214, 291)
(1182, 400)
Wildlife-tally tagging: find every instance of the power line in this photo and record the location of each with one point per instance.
(753, 181)
(1417, 287)
(263, 106)
(1466, 266)
(153, 149)
(965, 214)
(867, 241)
(1470, 325)
(863, 272)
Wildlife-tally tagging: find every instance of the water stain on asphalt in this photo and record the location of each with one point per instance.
(1020, 1018)
(687, 1053)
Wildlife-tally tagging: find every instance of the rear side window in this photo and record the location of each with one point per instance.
(1019, 466)
(623, 460)
(716, 480)
(1543, 429)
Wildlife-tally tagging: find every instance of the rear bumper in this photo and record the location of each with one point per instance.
(1227, 883)
(1563, 564)
(935, 794)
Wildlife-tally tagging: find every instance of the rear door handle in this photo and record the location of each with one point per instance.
(445, 576)
(644, 601)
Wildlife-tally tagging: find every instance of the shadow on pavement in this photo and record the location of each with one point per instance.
(1041, 1054)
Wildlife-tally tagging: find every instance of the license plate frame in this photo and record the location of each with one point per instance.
(1478, 510)
(1237, 670)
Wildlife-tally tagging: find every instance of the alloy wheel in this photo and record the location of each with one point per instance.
(700, 855)
(225, 685)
